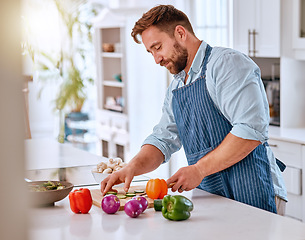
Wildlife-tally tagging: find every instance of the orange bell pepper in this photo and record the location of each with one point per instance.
(80, 200)
(156, 188)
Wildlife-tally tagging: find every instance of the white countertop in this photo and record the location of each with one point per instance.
(213, 217)
(50, 154)
(46, 159)
(296, 135)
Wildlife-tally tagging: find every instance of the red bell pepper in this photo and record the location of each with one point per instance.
(80, 200)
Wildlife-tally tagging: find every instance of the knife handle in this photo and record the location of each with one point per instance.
(171, 184)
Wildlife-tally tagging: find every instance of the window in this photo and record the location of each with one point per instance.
(211, 21)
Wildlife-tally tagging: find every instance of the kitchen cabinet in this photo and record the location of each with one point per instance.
(127, 110)
(293, 155)
(112, 111)
(303, 184)
(299, 29)
(256, 27)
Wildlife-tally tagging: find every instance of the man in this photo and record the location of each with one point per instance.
(216, 108)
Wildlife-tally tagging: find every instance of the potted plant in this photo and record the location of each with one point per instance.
(70, 66)
(77, 35)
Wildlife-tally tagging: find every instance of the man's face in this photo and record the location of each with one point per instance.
(166, 50)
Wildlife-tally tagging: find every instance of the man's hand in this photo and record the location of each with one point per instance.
(232, 150)
(185, 179)
(147, 160)
(125, 175)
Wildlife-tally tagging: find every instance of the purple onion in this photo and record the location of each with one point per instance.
(133, 208)
(110, 204)
(143, 202)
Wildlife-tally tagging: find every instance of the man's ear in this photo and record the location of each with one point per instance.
(180, 33)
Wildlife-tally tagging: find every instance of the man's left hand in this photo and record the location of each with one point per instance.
(185, 179)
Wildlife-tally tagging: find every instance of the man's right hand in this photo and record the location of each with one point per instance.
(147, 160)
(125, 175)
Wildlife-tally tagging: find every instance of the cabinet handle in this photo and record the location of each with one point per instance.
(253, 51)
(273, 145)
(254, 42)
(249, 41)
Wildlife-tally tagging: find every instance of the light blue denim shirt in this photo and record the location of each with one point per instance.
(234, 84)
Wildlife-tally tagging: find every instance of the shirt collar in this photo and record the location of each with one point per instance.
(180, 76)
(196, 64)
(198, 59)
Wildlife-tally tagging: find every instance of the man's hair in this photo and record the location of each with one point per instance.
(165, 18)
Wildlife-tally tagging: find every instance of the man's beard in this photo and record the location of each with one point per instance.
(181, 55)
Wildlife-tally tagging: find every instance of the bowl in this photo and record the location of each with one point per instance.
(99, 177)
(108, 47)
(49, 197)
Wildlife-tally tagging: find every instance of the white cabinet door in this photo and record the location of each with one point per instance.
(292, 154)
(303, 184)
(299, 24)
(243, 22)
(299, 29)
(256, 27)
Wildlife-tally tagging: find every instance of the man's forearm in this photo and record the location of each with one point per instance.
(148, 159)
(232, 150)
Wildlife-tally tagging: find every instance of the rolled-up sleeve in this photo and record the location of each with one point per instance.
(165, 134)
(240, 96)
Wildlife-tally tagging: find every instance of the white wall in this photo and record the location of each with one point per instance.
(147, 84)
(146, 89)
(292, 74)
(13, 192)
(292, 93)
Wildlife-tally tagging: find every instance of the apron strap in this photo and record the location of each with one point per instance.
(206, 58)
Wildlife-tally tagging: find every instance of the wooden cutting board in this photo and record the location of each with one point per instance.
(97, 196)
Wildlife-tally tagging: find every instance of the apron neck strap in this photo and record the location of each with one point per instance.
(206, 57)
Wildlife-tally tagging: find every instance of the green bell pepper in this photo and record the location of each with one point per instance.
(176, 207)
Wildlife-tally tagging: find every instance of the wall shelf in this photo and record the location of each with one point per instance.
(111, 55)
(111, 83)
(112, 116)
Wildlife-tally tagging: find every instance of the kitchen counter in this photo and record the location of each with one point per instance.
(50, 154)
(46, 159)
(296, 135)
(213, 217)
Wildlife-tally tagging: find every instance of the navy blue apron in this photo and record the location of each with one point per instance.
(202, 127)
